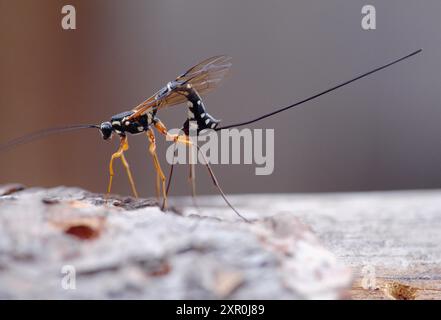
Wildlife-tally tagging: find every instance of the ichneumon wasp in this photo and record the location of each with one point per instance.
(189, 88)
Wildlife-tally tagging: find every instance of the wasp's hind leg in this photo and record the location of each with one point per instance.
(185, 140)
(123, 146)
(217, 185)
(160, 177)
(192, 173)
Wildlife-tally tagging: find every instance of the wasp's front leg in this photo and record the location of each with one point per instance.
(123, 146)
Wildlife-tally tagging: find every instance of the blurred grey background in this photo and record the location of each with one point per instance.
(380, 133)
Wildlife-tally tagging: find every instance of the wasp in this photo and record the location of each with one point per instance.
(187, 88)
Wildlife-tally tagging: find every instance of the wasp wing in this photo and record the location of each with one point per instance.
(203, 77)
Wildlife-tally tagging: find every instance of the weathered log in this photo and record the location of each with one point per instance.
(391, 240)
(67, 243)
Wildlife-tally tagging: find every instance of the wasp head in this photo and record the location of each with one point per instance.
(106, 130)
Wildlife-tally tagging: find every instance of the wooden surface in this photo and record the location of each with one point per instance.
(120, 247)
(385, 245)
(391, 240)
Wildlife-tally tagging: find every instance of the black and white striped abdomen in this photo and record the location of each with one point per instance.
(198, 114)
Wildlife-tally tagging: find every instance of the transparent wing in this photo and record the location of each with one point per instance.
(207, 75)
(203, 77)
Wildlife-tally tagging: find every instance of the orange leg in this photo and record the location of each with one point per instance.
(160, 177)
(185, 139)
(123, 146)
(180, 139)
(172, 137)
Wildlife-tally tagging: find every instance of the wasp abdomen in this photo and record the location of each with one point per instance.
(198, 114)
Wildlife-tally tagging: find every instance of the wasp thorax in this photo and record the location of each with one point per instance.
(106, 130)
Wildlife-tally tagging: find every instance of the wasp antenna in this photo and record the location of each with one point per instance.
(321, 93)
(43, 133)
